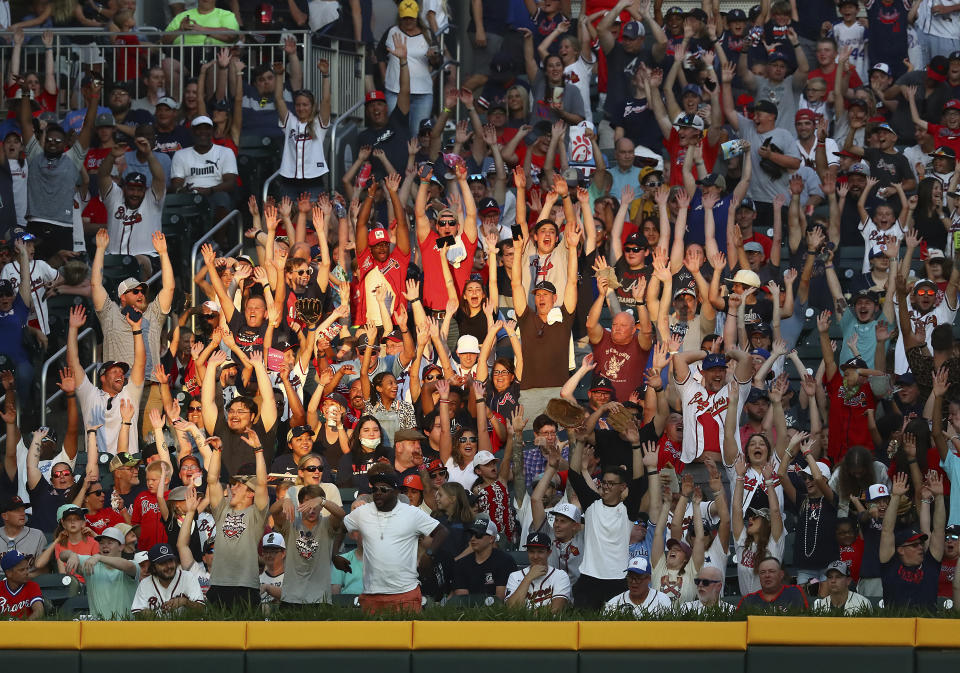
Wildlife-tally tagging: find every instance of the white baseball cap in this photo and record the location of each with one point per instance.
(113, 533)
(824, 470)
(202, 119)
(468, 344)
(877, 491)
(482, 458)
(273, 540)
(569, 510)
(639, 565)
(140, 557)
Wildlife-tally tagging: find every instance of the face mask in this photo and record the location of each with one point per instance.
(369, 443)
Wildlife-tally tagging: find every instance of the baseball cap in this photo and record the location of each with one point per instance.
(482, 458)
(854, 363)
(747, 203)
(805, 113)
(823, 467)
(760, 328)
(201, 120)
(713, 180)
(692, 88)
(373, 96)
(908, 535)
(68, 509)
(129, 284)
(569, 510)
(426, 125)
(884, 127)
(639, 565)
(746, 277)
(777, 56)
(16, 502)
(944, 151)
(377, 235)
(882, 67)
(435, 465)
(488, 205)
(905, 379)
(273, 540)
(177, 494)
(469, 343)
(12, 559)
(674, 10)
(684, 547)
(413, 481)
(169, 102)
(752, 246)
(140, 557)
(762, 512)
(299, 431)
(865, 294)
(602, 383)
(388, 478)
(764, 105)
(135, 178)
(544, 285)
(713, 360)
(689, 121)
(105, 119)
(633, 29)
(757, 394)
(698, 13)
(638, 239)
(113, 533)
(408, 435)
(408, 9)
(736, 15)
(538, 540)
(160, 552)
(841, 567)
(952, 530)
(483, 526)
(109, 364)
(859, 168)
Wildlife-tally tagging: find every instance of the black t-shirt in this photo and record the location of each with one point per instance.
(45, 500)
(136, 118)
(612, 449)
(169, 142)
(815, 545)
(236, 453)
(888, 168)
(392, 139)
(475, 325)
(353, 472)
(173, 532)
(248, 338)
(628, 279)
(8, 214)
(483, 578)
(914, 587)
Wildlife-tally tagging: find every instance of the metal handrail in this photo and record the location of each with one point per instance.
(333, 138)
(88, 332)
(232, 215)
(266, 184)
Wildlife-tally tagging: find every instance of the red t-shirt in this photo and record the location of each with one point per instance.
(669, 454)
(103, 519)
(853, 555)
(87, 547)
(146, 512)
(944, 137)
(434, 287)
(763, 240)
(854, 82)
(19, 604)
(46, 101)
(677, 153)
(948, 566)
(393, 268)
(623, 365)
(848, 418)
(127, 59)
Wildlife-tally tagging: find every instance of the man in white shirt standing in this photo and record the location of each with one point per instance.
(839, 598)
(540, 584)
(391, 532)
(639, 597)
(205, 168)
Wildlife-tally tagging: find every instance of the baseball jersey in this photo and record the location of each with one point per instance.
(41, 275)
(131, 229)
(876, 238)
(302, 157)
(151, 594)
(19, 604)
(855, 37)
(703, 416)
(542, 591)
(942, 314)
(655, 603)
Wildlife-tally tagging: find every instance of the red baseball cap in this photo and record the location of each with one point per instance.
(805, 114)
(952, 104)
(377, 235)
(413, 481)
(374, 96)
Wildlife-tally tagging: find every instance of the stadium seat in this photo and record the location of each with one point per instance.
(57, 588)
(349, 600)
(472, 600)
(77, 606)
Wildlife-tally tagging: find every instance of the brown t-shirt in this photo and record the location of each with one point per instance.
(545, 349)
(623, 365)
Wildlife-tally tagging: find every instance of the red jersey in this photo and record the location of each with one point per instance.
(95, 157)
(127, 59)
(669, 454)
(434, 287)
(623, 365)
(948, 566)
(853, 555)
(944, 137)
(47, 101)
(106, 517)
(763, 240)
(677, 153)
(19, 604)
(146, 513)
(393, 268)
(854, 82)
(848, 417)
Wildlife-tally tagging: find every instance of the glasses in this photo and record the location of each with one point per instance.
(382, 490)
(237, 412)
(432, 377)
(446, 223)
(926, 293)
(610, 484)
(467, 440)
(62, 473)
(302, 272)
(703, 582)
(631, 248)
(501, 372)
(137, 290)
(99, 492)
(652, 184)
(194, 407)
(311, 468)
(441, 473)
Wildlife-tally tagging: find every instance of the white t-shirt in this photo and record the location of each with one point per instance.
(542, 591)
(654, 603)
(303, 152)
(747, 558)
(606, 541)
(942, 314)
(855, 604)
(716, 556)
(704, 415)
(18, 173)
(203, 170)
(93, 406)
(41, 273)
(875, 238)
(439, 14)
(321, 13)
(464, 477)
(696, 606)
(151, 595)
(420, 80)
(390, 541)
(578, 74)
(272, 580)
(131, 229)
(80, 201)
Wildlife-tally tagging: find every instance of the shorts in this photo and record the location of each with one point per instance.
(409, 601)
(590, 593)
(51, 238)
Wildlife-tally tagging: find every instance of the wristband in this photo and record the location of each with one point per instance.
(403, 64)
(739, 478)
(258, 450)
(769, 481)
(91, 432)
(448, 110)
(927, 500)
(137, 331)
(126, 423)
(69, 395)
(652, 472)
(911, 461)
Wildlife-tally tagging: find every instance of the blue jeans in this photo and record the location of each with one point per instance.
(23, 374)
(421, 107)
(937, 46)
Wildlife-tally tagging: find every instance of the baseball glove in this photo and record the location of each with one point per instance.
(564, 414)
(309, 311)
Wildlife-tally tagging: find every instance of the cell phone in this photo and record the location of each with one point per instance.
(517, 231)
(447, 241)
(131, 313)
(424, 170)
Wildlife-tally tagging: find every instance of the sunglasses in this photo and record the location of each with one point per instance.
(302, 272)
(135, 291)
(446, 223)
(62, 473)
(652, 184)
(631, 248)
(99, 492)
(926, 293)
(953, 537)
(703, 582)
(311, 468)
(467, 440)
(442, 473)
(194, 407)
(432, 377)
(382, 490)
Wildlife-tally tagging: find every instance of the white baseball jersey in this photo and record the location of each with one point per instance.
(151, 595)
(542, 591)
(942, 314)
(41, 274)
(703, 416)
(877, 238)
(302, 157)
(855, 37)
(131, 229)
(80, 201)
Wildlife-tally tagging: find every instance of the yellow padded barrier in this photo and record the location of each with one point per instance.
(496, 635)
(168, 635)
(938, 633)
(831, 631)
(602, 635)
(329, 635)
(40, 635)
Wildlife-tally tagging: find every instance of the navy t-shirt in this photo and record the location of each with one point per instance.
(695, 228)
(12, 324)
(392, 139)
(483, 578)
(45, 500)
(914, 587)
(169, 142)
(791, 597)
(638, 122)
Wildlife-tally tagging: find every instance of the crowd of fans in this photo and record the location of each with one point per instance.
(664, 323)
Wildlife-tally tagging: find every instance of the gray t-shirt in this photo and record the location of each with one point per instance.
(29, 541)
(541, 110)
(118, 336)
(236, 563)
(763, 187)
(785, 95)
(307, 570)
(51, 185)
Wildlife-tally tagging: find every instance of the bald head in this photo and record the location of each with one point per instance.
(622, 328)
(623, 151)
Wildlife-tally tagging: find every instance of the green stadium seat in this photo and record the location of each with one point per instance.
(57, 588)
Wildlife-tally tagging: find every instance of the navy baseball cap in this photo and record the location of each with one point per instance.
(714, 360)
